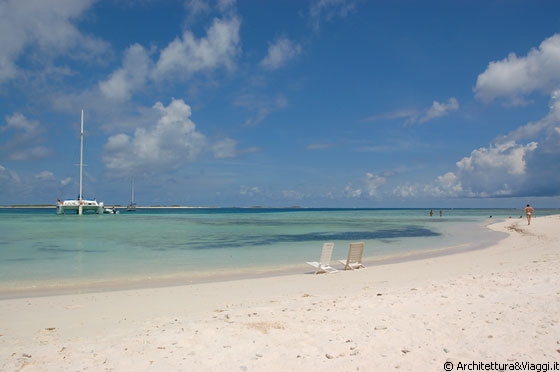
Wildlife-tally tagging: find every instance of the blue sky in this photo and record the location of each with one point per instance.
(320, 103)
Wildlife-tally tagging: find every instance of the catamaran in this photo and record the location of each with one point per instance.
(79, 205)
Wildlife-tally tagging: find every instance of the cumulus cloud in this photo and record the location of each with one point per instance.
(508, 157)
(165, 145)
(525, 161)
(280, 52)
(352, 191)
(19, 123)
(22, 138)
(405, 191)
(187, 55)
(439, 109)
(131, 77)
(47, 25)
(514, 77)
(447, 185)
(373, 182)
(226, 148)
(367, 187)
(179, 60)
(522, 163)
(497, 170)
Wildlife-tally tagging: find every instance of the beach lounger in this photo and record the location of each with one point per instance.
(324, 264)
(354, 259)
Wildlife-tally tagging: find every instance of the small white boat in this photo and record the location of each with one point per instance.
(79, 205)
(108, 210)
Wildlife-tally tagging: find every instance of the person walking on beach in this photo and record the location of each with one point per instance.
(529, 212)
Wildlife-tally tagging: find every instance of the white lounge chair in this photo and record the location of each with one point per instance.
(354, 259)
(324, 264)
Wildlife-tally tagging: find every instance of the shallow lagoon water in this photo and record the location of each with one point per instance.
(39, 249)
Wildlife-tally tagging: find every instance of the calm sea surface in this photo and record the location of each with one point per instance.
(42, 251)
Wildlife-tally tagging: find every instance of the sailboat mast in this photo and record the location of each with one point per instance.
(80, 196)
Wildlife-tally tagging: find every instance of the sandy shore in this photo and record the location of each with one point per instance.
(496, 305)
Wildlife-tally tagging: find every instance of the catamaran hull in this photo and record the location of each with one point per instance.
(74, 206)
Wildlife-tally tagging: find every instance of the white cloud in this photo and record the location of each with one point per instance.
(405, 191)
(167, 144)
(439, 109)
(226, 148)
(367, 187)
(352, 191)
(187, 55)
(23, 139)
(131, 77)
(45, 175)
(280, 52)
(373, 182)
(182, 57)
(18, 122)
(449, 185)
(509, 157)
(48, 25)
(522, 163)
(513, 77)
(498, 170)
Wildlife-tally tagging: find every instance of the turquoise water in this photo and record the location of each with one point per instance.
(40, 250)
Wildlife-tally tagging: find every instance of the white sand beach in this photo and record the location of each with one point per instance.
(495, 305)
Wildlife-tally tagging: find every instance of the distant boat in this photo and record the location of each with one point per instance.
(132, 206)
(108, 210)
(79, 205)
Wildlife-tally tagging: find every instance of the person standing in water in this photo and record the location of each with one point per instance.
(529, 212)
